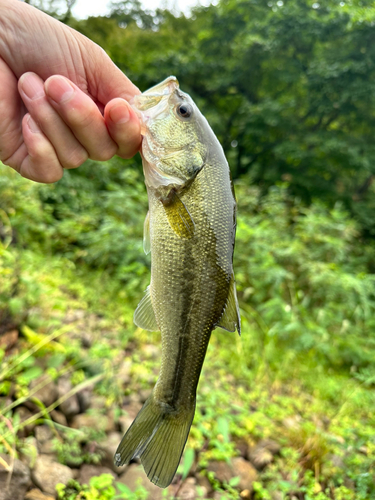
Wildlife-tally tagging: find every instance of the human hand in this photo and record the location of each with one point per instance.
(55, 87)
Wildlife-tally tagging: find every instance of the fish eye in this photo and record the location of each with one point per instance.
(185, 110)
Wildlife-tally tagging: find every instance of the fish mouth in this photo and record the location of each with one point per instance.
(153, 96)
(153, 104)
(166, 87)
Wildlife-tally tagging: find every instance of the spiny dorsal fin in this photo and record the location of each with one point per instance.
(231, 320)
(179, 218)
(146, 235)
(144, 315)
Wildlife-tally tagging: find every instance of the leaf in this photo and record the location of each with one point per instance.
(123, 488)
(223, 429)
(234, 481)
(30, 374)
(189, 458)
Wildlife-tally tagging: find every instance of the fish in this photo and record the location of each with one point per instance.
(190, 231)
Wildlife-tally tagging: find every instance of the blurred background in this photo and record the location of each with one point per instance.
(287, 410)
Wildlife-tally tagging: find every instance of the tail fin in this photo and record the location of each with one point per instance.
(157, 436)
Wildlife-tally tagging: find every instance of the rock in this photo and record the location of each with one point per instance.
(242, 446)
(98, 402)
(123, 375)
(59, 417)
(204, 483)
(337, 461)
(24, 414)
(70, 407)
(132, 409)
(261, 458)
(36, 494)
(246, 472)
(218, 495)
(47, 394)
(97, 422)
(86, 339)
(151, 351)
(47, 474)
(125, 422)
(245, 494)
(262, 454)
(277, 495)
(8, 339)
(20, 479)
(84, 399)
(44, 436)
(135, 476)
(108, 449)
(222, 470)
(29, 452)
(238, 467)
(74, 315)
(293, 422)
(144, 394)
(88, 471)
(188, 490)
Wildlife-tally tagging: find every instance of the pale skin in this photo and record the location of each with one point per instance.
(62, 100)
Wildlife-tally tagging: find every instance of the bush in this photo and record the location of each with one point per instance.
(302, 274)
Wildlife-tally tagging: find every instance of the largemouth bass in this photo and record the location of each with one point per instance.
(190, 230)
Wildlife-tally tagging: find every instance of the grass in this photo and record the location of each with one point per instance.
(301, 374)
(315, 414)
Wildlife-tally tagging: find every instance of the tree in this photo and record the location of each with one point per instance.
(289, 87)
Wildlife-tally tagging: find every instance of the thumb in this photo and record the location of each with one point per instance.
(104, 79)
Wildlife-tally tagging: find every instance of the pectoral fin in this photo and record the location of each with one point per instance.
(146, 235)
(179, 218)
(231, 320)
(144, 315)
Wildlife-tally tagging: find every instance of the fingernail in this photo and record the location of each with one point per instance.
(32, 85)
(33, 125)
(59, 89)
(119, 113)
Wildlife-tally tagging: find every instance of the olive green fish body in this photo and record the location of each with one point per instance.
(190, 279)
(190, 231)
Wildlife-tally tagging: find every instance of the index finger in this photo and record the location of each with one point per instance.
(11, 112)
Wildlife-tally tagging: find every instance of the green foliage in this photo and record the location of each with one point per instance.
(304, 281)
(288, 87)
(307, 306)
(68, 447)
(100, 488)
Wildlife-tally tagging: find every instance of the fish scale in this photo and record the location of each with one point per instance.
(192, 213)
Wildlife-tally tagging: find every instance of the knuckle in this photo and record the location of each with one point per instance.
(127, 154)
(51, 177)
(104, 154)
(40, 151)
(75, 159)
(81, 118)
(44, 117)
(47, 173)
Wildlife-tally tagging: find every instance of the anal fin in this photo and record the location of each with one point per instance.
(231, 320)
(144, 315)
